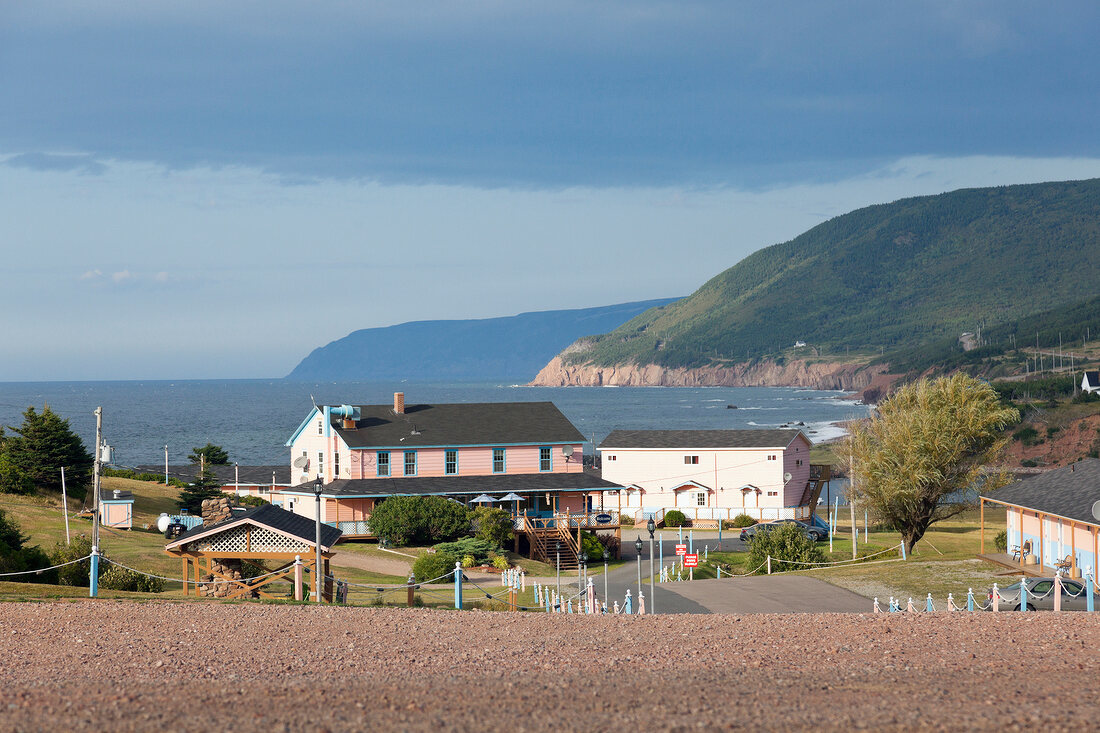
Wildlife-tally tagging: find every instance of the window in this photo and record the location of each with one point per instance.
(320, 463)
(691, 460)
(383, 463)
(319, 430)
(336, 464)
(798, 462)
(410, 463)
(546, 459)
(498, 460)
(450, 462)
(773, 493)
(771, 458)
(612, 457)
(700, 499)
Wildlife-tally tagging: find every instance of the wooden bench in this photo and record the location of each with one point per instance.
(1065, 564)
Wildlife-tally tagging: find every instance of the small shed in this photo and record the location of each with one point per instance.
(265, 533)
(1090, 381)
(116, 509)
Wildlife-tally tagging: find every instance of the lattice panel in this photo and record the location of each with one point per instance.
(236, 540)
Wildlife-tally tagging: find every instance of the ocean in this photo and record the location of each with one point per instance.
(252, 419)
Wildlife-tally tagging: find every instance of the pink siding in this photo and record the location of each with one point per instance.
(473, 461)
(796, 461)
(117, 515)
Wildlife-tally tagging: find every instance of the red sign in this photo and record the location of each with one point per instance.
(691, 561)
(681, 549)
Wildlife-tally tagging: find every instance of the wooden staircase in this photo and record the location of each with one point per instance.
(819, 478)
(544, 544)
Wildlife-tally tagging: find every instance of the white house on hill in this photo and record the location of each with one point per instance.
(712, 474)
(1090, 382)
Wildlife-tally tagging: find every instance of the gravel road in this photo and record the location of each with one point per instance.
(119, 666)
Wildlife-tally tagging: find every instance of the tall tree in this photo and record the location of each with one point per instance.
(210, 454)
(38, 450)
(931, 440)
(205, 486)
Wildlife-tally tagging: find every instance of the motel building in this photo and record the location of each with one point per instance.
(524, 457)
(711, 475)
(1049, 521)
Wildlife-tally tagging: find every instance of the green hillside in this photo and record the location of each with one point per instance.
(882, 278)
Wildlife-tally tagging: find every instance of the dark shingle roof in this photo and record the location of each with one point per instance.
(1068, 492)
(252, 475)
(109, 495)
(1092, 378)
(274, 517)
(458, 485)
(485, 423)
(778, 438)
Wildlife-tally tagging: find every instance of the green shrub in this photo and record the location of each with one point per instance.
(407, 520)
(1001, 541)
(251, 501)
(432, 565)
(591, 547)
(77, 573)
(1026, 435)
(743, 520)
(468, 561)
(119, 578)
(492, 524)
(627, 519)
(784, 543)
(478, 549)
(500, 562)
(675, 518)
(16, 556)
(157, 478)
(1029, 463)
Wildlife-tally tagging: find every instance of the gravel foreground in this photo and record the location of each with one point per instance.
(124, 666)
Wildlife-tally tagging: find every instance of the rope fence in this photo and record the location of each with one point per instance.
(1023, 599)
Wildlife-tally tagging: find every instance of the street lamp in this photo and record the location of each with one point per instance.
(606, 597)
(652, 527)
(583, 560)
(638, 548)
(317, 574)
(557, 552)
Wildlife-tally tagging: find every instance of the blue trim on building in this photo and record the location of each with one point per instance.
(464, 445)
(550, 451)
(447, 460)
(378, 463)
(307, 421)
(415, 463)
(503, 460)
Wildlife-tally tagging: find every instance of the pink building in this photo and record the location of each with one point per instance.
(713, 474)
(116, 509)
(362, 454)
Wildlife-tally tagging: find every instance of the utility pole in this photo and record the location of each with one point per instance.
(851, 501)
(166, 465)
(93, 579)
(65, 504)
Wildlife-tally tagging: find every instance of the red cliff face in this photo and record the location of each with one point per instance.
(767, 373)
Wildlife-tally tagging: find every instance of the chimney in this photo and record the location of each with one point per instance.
(349, 424)
(399, 403)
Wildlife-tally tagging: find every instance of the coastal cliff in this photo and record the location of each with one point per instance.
(762, 373)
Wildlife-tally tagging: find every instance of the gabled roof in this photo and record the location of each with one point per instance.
(1068, 492)
(251, 475)
(269, 516)
(459, 485)
(458, 424)
(675, 439)
(1092, 378)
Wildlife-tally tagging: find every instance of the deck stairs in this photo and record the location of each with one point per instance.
(544, 543)
(819, 478)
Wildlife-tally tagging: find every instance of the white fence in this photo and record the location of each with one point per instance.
(761, 514)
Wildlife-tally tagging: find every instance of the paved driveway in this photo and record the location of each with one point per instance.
(779, 593)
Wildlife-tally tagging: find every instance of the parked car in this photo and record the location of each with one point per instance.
(814, 533)
(1073, 595)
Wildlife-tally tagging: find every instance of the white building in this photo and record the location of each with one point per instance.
(712, 474)
(1090, 382)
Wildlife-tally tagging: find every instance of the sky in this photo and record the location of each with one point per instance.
(211, 190)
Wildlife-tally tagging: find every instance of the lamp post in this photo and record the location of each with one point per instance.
(652, 527)
(557, 552)
(583, 560)
(606, 597)
(317, 574)
(638, 548)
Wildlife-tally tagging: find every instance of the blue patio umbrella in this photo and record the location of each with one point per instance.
(483, 499)
(512, 496)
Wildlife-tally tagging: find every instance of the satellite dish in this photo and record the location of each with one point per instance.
(567, 450)
(301, 462)
(1096, 510)
(786, 477)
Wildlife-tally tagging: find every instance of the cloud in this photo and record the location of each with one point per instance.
(91, 275)
(122, 276)
(80, 163)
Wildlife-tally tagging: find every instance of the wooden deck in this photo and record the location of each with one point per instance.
(1013, 566)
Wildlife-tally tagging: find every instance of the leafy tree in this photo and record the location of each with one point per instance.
(41, 446)
(205, 486)
(492, 524)
(407, 520)
(210, 455)
(932, 439)
(786, 544)
(15, 556)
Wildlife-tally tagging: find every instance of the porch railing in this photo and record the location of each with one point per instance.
(761, 514)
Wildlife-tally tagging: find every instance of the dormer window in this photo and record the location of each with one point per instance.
(320, 430)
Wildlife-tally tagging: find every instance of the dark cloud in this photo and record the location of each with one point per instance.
(53, 162)
(553, 93)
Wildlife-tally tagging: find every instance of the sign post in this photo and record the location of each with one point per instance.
(681, 550)
(691, 561)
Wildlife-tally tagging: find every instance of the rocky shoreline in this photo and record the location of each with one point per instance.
(847, 376)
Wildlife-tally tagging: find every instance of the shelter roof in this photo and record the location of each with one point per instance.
(1068, 492)
(674, 439)
(460, 485)
(267, 516)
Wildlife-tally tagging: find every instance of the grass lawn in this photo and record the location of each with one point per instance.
(943, 562)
